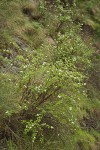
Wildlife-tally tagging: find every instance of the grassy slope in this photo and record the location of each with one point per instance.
(29, 36)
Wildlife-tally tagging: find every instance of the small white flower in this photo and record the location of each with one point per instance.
(52, 127)
(59, 96)
(7, 112)
(70, 108)
(44, 63)
(25, 86)
(21, 71)
(74, 101)
(25, 66)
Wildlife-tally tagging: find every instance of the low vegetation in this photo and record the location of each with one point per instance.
(49, 75)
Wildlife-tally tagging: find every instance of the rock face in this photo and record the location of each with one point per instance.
(22, 44)
(50, 41)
